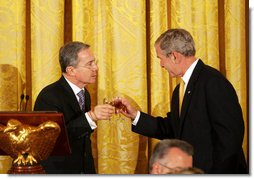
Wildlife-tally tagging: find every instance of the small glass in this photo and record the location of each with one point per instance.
(117, 105)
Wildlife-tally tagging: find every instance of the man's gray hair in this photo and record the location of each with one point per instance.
(178, 40)
(161, 148)
(68, 54)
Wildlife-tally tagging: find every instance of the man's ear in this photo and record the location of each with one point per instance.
(174, 55)
(70, 70)
(155, 169)
(177, 57)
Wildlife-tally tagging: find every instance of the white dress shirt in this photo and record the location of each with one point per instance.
(76, 90)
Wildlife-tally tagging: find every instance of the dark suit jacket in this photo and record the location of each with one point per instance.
(211, 120)
(60, 97)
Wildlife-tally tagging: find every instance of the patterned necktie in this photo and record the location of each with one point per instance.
(181, 94)
(81, 100)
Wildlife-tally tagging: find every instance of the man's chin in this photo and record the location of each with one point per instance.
(93, 81)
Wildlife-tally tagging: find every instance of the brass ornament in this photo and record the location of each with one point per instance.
(26, 144)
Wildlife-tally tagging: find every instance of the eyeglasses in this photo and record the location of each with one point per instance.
(171, 170)
(90, 65)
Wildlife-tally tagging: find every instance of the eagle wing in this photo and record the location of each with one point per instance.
(42, 140)
(6, 143)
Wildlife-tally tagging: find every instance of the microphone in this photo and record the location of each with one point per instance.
(22, 96)
(27, 98)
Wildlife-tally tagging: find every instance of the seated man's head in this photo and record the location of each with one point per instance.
(170, 155)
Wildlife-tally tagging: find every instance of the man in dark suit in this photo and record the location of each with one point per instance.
(209, 116)
(69, 96)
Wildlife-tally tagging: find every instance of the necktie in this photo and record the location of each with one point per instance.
(81, 100)
(181, 94)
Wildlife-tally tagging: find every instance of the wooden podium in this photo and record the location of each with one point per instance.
(34, 119)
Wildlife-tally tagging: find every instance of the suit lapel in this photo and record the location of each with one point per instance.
(72, 100)
(189, 91)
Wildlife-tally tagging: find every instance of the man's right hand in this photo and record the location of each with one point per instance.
(124, 107)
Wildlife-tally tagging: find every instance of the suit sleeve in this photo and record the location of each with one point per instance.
(155, 127)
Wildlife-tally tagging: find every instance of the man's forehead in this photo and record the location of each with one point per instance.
(86, 54)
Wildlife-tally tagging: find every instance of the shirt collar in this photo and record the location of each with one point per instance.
(187, 75)
(74, 87)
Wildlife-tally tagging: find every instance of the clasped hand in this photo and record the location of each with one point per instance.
(101, 112)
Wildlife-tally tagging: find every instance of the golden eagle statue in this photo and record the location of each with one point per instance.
(27, 144)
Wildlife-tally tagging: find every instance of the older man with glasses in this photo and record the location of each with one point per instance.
(69, 96)
(171, 156)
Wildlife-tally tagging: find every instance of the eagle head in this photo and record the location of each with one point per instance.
(12, 125)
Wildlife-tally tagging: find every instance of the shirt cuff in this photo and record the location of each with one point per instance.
(90, 121)
(135, 121)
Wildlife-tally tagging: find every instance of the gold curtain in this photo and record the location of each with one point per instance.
(47, 22)
(121, 34)
(158, 93)
(236, 57)
(12, 60)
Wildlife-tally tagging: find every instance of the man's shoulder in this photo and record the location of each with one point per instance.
(53, 85)
(53, 88)
(210, 71)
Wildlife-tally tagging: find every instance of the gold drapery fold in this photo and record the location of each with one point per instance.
(235, 54)
(159, 95)
(202, 23)
(105, 25)
(46, 39)
(12, 60)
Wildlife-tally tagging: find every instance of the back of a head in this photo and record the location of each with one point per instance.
(178, 40)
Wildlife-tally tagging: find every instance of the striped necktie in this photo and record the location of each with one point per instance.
(81, 100)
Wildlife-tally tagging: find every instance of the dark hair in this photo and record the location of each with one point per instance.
(178, 40)
(161, 148)
(68, 54)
